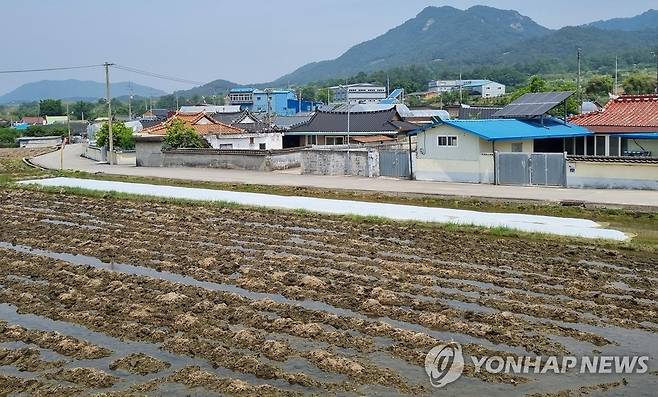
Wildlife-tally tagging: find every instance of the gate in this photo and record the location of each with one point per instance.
(394, 163)
(544, 169)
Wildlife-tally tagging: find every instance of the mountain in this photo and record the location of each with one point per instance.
(435, 34)
(215, 87)
(75, 90)
(561, 46)
(646, 20)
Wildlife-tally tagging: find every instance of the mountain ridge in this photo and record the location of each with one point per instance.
(73, 89)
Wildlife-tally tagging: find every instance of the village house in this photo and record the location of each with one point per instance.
(626, 126)
(331, 128)
(463, 150)
(33, 120)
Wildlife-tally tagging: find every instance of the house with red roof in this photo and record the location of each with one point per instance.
(623, 149)
(33, 120)
(626, 127)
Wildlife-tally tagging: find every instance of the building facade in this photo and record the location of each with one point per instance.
(358, 93)
(483, 88)
(280, 102)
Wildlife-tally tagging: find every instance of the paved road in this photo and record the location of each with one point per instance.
(73, 161)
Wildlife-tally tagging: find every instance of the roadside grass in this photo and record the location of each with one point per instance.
(641, 223)
(13, 167)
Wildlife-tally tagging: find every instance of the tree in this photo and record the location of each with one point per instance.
(51, 107)
(181, 136)
(122, 136)
(537, 84)
(47, 130)
(639, 83)
(82, 109)
(599, 85)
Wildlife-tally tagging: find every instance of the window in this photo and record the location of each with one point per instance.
(517, 147)
(334, 140)
(226, 146)
(614, 145)
(311, 139)
(589, 146)
(262, 146)
(447, 140)
(251, 141)
(600, 146)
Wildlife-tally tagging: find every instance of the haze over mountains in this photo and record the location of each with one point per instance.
(75, 90)
(444, 36)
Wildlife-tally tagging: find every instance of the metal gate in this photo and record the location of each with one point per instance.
(394, 163)
(545, 169)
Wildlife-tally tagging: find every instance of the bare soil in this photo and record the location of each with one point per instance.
(179, 299)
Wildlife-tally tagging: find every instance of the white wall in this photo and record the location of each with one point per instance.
(448, 164)
(272, 141)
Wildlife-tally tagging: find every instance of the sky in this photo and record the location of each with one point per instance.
(241, 41)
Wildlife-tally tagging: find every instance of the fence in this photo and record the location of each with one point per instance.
(545, 169)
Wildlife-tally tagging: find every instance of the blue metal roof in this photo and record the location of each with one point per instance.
(639, 135)
(514, 129)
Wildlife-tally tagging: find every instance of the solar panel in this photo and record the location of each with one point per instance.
(533, 104)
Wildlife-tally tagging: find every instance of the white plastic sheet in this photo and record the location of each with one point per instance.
(527, 223)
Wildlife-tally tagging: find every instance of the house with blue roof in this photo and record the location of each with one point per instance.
(278, 102)
(463, 150)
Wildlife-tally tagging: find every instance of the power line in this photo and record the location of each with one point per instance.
(157, 75)
(120, 67)
(49, 69)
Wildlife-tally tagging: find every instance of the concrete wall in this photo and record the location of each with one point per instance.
(336, 160)
(612, 175)
(35, 142)
(255, 160)
(119, 157)
(149, 154)
(272, 141)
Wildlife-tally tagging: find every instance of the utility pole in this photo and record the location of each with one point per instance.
(656, 55)
(461, 91)
(614, 90)
(109, 109)
(580, 98)
(388, 85)
(349, 111)
(130, 99)
(68, 121)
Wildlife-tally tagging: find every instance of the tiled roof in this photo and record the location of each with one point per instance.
(33, 120)
(194, 120)
(386, 121)
(628, 113)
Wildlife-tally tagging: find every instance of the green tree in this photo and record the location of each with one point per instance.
(181, 136)
(537, 84)
(599, 85)
(122, 136)
(8, 137)
(639, 83)
(51, 107)
(82, 109)
(47, 130)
